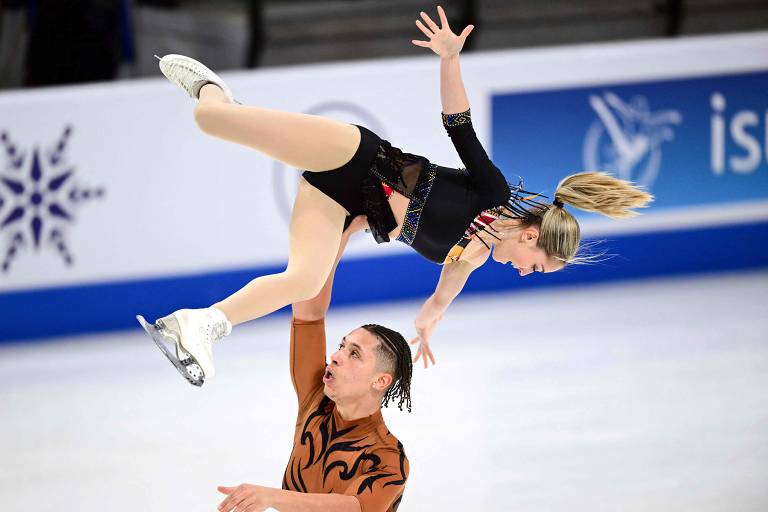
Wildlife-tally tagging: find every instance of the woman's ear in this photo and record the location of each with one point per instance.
(530, 234)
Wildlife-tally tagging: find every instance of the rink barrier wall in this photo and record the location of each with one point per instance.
(113, 203)
(105, 307)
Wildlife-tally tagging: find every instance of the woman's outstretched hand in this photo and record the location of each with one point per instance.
(442, 40)
(425, 323)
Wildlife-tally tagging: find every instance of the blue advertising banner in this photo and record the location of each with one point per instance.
(694, 141)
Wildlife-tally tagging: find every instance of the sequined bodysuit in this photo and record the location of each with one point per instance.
(444, 203)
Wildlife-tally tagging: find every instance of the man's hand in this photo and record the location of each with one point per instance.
(245, 498)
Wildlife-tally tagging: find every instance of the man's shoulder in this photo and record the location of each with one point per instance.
(392, 459)
(389, 444)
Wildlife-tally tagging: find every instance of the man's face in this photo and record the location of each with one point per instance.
(353, 372)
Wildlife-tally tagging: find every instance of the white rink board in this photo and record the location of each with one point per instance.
(178, 202)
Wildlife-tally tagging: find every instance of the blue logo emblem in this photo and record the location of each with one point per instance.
(38, 197)
(627, 136)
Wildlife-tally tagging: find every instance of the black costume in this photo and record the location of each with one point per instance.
(444, 202)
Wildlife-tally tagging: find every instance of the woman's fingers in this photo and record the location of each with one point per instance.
(431, 24)
(420, 351)
(424, 352)
(415, 340)
(443, 18)
(424, 44)
(466, 31)
(424, 29)
(431, 356)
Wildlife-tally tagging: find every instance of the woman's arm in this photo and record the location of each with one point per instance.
(456, 115)
(453, 96)
(453, 277)
(447, 45)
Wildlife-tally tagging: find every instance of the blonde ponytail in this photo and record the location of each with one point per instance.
(559, 233)
(602, 193)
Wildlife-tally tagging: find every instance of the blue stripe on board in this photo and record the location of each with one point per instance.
(29, 315)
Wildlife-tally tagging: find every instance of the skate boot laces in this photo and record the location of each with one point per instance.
(216, 331)
(190, 74)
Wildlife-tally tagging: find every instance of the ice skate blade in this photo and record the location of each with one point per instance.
(187, 367)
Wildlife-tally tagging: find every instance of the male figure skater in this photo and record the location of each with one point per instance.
(344, 458)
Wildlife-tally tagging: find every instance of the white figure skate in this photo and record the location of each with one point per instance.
(190, 75)
(186, 338)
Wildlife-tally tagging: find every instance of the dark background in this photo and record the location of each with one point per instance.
(49, 42)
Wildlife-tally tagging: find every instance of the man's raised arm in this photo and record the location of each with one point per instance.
(307, 353)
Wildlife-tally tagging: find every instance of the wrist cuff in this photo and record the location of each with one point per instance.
(457, 119)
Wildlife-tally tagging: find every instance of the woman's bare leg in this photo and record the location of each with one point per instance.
(316, 226)
(303, 141)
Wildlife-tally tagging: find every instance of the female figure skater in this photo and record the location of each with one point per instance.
(450, 216)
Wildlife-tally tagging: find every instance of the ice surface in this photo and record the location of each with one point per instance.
(629, 396)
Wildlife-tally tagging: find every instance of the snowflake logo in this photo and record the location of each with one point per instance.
(37, 198)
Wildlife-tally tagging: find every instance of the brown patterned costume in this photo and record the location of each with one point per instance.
(359, 458)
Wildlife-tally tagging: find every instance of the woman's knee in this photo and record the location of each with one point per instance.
(306, 285)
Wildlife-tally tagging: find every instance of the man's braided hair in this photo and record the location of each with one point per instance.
(396, 354)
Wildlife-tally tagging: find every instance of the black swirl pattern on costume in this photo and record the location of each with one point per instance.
(306, 437)
(300, 484)
(345, 473)
(368, 482)
(344, 446)
(332, 441)
(402, 467)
